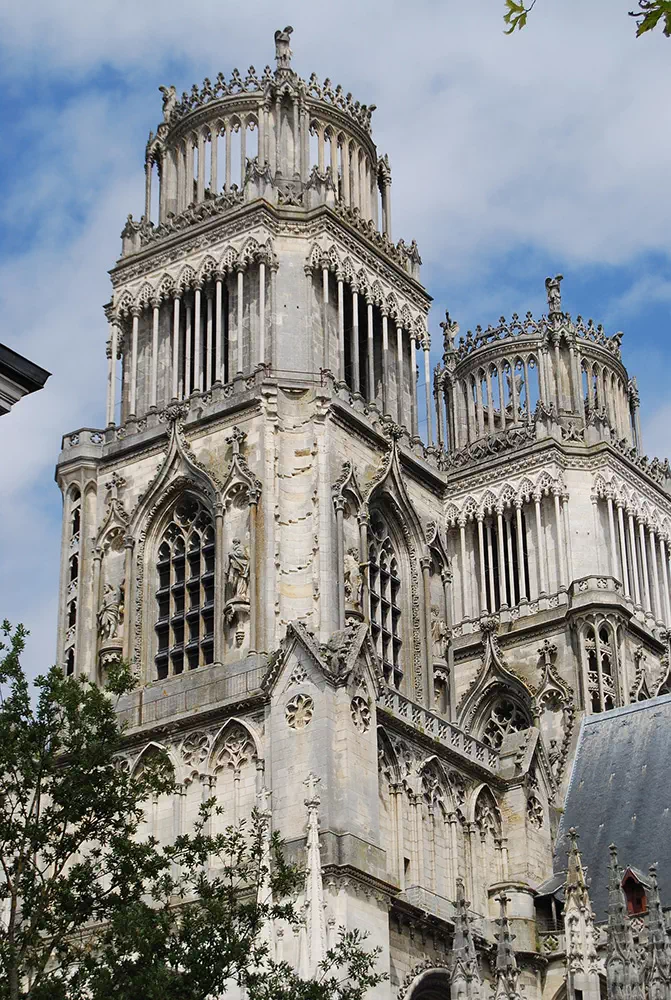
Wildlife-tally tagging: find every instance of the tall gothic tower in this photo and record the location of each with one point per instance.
(389, 639)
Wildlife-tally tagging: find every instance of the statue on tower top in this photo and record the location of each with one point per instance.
(553, 289)
(282, 50)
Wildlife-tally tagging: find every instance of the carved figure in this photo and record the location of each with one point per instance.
(554, 293)
(109, 616)
(352, 574)
(450, 329)
(237, 573)
(169, 101)
(282, 51)
(438, 632)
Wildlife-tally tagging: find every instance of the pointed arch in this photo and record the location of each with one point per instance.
(236, 743)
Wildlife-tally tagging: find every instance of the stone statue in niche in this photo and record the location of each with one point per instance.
(352, 575)
(237, 572)
(438, 633)
(110, 614)
(282, 49)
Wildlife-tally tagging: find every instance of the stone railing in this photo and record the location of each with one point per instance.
(448, 735)
(529, 327)
(85, 435)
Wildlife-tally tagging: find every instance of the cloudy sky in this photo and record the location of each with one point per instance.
(512, 158)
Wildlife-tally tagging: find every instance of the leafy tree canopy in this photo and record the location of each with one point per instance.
(89, 910)
(650, 15)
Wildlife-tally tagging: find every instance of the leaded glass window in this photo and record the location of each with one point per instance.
(185, 590)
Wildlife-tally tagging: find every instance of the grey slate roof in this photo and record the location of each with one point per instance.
(620, 792)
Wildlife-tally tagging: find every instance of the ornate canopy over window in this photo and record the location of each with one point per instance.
(185, 590)
(385, 598)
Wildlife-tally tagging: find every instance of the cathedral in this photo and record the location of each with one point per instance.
(417, 615)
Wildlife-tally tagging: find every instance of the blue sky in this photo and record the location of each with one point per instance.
(512, 158)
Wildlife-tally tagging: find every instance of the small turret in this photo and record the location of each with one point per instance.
(465, 981)
(624, 976)
(507, 985)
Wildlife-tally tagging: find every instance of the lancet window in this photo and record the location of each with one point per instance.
(185, 590)
(600, 653)
(385, 598)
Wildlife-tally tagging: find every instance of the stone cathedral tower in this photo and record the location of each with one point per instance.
(389, 638)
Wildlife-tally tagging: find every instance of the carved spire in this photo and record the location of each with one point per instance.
(264, 892)
(582, 972)
(658, 952)
(465, 979)
(507, 975)
(314, 884)
(622, 967)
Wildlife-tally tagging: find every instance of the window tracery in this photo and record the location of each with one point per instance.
(185, 590)
(599, 650)
(505, 716)
(385, 598)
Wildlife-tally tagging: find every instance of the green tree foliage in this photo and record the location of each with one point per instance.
(650, 14)
(91, 911)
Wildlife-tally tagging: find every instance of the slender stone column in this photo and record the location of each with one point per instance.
(129, 546)
(644, 566)
(490, 401)
(371, 352)
(208, 341)
(490, 564)
(446, 578)
(567, 540)
(611, 531)
(188, 336)
(262, 313)
(465, 605)
(220, 353)
(427, 387)
(147, 189)
(253, 582)
(385, 363)
(413, 382)
(658, 611)
(483, 575)
(665, 577)
(562, 555)
(273, 313)
(197, 340)
(399, 374)
(479, 407)
(238, 332)
(200, 184)
(634, 560)
(243, 151)
(540, 547)
(227, 133)
(425, 563)
(189, 170)
(175, 347)
(438, 397)
(156, 306)
(112, 351)
(135, 312)
(623, 549)
(341, 319)
(320, 150)
(325, 321)
(521, 581)
(503, 588)
(502, 396)
(363, 555)
(356, 376)
(508, 515)
(515, 398)
(214, 161)
(562, 561)
(339, 505)
(346, 172)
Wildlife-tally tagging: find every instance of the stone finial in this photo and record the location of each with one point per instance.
(581, 954)
(553, 290)
(236, 439)
(658, 951)
(314, 882)
(507, 985)
(622, 965)
(465, 979)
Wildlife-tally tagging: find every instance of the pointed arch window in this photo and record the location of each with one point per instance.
(505, 716)
(185, 590)
(385, 598)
